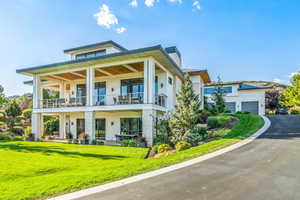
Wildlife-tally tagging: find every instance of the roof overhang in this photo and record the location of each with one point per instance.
(96, 45)
(156, 52)
(202, 73)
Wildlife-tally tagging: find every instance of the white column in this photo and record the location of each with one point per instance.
(148, 125)
(37, 125)
(90, 73)
(90, 124)
(62, 125)
(149, 81)
(62, 88)
(36, 92)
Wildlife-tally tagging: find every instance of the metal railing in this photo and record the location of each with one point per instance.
(132, 98)
(62, 102)
(103, 100)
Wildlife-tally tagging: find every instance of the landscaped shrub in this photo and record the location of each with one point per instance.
(295, 111)
(182, 145)
(218, 133)
(4, 138)
(203, 117)
(129, 143)
(17, 138)
(27, 131)
(218, 121)
(155, 148)
(213, 122)
(163, 148)
(195, 135)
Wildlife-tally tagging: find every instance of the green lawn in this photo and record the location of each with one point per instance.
(33, 170)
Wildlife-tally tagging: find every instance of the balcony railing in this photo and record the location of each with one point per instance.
(132, 98)
(62, 102)
(102, 100)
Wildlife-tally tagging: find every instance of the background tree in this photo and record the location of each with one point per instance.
(291, 95)
(12, 112)
(3, 100)
(273, 99)
(186, 115)
(218, 97)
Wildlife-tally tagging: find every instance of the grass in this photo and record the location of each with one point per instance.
(34, 170)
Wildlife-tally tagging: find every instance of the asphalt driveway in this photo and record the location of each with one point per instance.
(266, 169)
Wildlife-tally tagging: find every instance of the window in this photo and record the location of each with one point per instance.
(100, 92)
(170, 80)
(213, 90)
(81, 94)
(133, 87)
(100, 129)
(90, 54)
(131, 126)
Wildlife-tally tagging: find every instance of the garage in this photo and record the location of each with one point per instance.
(250, 106)
(231, 106)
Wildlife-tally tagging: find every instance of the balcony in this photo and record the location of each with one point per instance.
(102, 100)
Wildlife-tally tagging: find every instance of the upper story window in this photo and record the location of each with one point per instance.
(90, 54)
(226, 90)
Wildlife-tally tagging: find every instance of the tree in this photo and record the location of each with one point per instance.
(291, 95)
(272, 99)
(186, 115)
(218, 97)
(11, 114)
(3, 100)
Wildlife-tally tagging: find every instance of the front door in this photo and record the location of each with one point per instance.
(80, 126)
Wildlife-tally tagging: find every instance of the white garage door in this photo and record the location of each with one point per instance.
(230, 106)
(250, 106)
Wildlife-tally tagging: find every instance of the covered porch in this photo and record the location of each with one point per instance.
(106, 127)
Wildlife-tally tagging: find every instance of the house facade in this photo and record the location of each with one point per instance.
(242, 96)
(106, 90)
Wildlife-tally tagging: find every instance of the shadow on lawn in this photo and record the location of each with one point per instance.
(48, 150)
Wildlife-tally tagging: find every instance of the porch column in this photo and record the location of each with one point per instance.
(90, 124)
(36, 97)
(148, 125)
(62, 88)
(37, 125)
(149, 81)
(90, 73)
(62, 125)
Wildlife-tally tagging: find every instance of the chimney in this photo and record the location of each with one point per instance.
(174, 54)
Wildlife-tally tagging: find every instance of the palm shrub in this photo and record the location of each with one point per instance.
(186, 115)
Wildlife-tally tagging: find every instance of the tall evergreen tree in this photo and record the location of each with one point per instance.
(218, 97)
(186, 114)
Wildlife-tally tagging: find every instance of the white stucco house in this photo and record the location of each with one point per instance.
(106, 89)
(242, 96)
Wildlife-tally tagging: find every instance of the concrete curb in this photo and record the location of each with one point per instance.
(101, 188)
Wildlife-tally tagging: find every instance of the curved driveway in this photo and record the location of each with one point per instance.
(266, 169)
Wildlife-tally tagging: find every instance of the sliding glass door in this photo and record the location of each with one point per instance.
(100, 129)
(131, 126)
(100, 92)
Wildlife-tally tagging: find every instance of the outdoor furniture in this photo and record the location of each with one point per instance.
(61, 102)
(123, 99)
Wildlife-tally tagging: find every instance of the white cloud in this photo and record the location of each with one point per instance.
(149, 3)
(105, 17)
(292, 74)
(121, 30)
(175, 1)
(277, 80)
(133, 3)
(197, 5)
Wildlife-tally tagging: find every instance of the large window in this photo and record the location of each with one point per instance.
(90, 54)
(131, 126)
(132, 87)
(81, 94)
(100, 92)
(213, 90)
(100, 129)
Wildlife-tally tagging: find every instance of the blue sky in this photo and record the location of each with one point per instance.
(236, 39)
